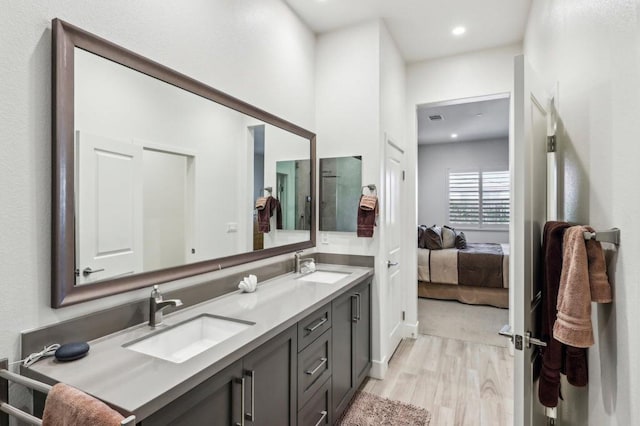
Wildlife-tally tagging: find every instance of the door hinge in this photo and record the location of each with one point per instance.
(403, 175)
(404, 315)
(551, 143)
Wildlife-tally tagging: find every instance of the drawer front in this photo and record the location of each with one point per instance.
(312, 327)
(317, 411)
(314, 367)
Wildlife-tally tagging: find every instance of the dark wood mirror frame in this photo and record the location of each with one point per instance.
(64, 292)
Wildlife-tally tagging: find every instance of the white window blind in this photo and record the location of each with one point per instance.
(479, 198)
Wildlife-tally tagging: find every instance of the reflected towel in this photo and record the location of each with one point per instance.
(367, 213)
(68, 406)
(261, 203)
(271, 206)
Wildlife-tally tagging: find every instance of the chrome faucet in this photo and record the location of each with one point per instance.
(157, 304)
(300, 261)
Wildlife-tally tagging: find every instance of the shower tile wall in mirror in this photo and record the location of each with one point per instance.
(165, 177)
(340, 189)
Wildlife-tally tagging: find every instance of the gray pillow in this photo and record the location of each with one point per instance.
(461, 240)
(421, 239)
(448, 237)
(433, 238)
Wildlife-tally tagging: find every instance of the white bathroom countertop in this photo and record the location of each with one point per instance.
(139, 384)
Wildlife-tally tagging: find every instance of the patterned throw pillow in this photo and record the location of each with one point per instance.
(421, 239)
(448, 237)
(433, 238)
(461, 240)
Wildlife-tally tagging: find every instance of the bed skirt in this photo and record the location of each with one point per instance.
(498, 297)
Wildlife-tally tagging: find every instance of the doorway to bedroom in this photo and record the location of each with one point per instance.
(463, 239)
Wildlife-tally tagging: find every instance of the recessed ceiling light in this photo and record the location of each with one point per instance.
(458, 31)
(454, 135)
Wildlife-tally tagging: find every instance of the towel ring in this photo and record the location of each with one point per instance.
(372, 189)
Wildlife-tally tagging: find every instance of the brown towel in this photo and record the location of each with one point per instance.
(556, 357)
(598, 280)
(67, 406)
(367, 215)
(261, 203)
(271, 206)
(573, 323)
(368, 202)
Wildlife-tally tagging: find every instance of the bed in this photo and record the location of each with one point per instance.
(477, 274)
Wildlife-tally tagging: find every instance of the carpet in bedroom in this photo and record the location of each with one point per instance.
(455, 320)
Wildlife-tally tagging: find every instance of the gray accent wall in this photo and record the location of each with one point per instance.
(435, 160)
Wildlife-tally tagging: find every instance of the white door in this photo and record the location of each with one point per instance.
(393, 202)
(109, 208)
(529, 213)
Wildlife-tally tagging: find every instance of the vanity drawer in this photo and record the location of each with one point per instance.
(310, 328)
(317, 411)
(314, 367)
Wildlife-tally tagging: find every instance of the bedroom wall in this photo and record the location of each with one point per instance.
(591, 50)
(434, 163)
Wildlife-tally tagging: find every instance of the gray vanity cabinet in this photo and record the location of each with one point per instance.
(271, 379)
(351, 350)
(214, 402)
(266, 376)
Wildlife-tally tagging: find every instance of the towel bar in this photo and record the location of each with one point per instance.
(609, 236)
(7, 410)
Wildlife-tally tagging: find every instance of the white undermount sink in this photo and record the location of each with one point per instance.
(185, 340)
(326, 277)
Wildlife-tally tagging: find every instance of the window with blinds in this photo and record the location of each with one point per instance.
(479, 198)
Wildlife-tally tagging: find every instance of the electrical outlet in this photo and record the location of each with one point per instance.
(325, 238)
(232, 227)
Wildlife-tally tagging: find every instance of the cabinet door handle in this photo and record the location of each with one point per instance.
(252, 415)
(324, 416)
(323, 361)
(316, 325)
(358, 306)
(354, 317)
(241, 381)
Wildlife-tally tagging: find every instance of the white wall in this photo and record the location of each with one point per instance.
(256, 50)
(358, 102)
(592, 50)
(434, 163)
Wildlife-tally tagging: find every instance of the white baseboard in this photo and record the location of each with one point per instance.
(411, 330)
(379, 369)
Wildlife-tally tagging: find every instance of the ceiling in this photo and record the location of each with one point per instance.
(422, 28)
(470, 121)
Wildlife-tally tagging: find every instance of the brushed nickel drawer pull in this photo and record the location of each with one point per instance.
(324, 416)
(241, 382)
(318, 367)
(317, 325)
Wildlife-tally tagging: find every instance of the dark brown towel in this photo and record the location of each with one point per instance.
(556, 357)
(68, 406)
(271, 206)
(366, 218)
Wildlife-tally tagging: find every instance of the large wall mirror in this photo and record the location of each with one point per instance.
(159, 177)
